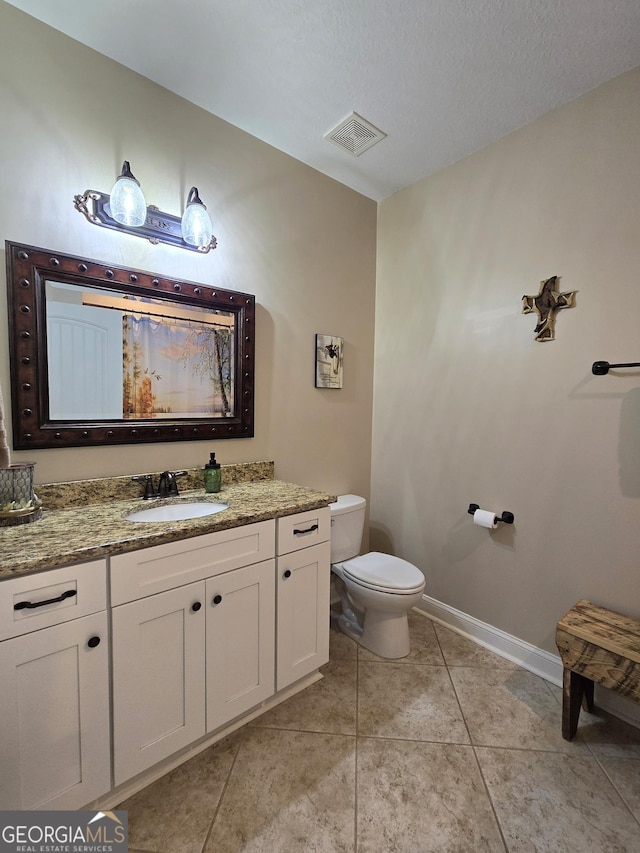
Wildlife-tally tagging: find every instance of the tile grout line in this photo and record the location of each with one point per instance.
(475, 754)
(490, 798)
(455, 692)
(613, 784)
(222, 793)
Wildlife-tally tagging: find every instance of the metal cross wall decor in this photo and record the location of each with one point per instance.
(546, 304)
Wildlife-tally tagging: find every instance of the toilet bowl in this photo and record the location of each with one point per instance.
(376, 590)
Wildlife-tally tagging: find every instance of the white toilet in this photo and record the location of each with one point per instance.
(376, 590)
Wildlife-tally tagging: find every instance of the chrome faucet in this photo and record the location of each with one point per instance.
(167, 486)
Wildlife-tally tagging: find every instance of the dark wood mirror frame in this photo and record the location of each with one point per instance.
(28, 270)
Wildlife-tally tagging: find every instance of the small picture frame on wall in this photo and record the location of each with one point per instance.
(329, 354)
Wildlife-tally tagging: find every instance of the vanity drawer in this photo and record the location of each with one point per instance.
(31, 602)
(159, 568)
(303, 530)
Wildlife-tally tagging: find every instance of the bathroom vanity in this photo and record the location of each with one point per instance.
(117, 667)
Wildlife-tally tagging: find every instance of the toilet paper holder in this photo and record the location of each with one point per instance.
(506, 517)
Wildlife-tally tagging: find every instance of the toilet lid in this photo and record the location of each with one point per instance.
(384, 572)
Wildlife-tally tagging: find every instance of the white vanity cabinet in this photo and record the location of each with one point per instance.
(193, 640)
(303, 594)
(110, 667)
(54, 699)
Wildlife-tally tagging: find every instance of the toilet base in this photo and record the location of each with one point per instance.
(386, 635)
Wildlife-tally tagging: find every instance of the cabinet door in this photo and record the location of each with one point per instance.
(158, 677)
(303, 613)
(240, 641)
(54, 716)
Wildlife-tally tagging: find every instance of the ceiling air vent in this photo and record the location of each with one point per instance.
(355, 134)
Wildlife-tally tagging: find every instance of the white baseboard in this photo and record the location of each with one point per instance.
(529, 657)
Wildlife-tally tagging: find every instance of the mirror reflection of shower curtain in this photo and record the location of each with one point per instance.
(174, 368)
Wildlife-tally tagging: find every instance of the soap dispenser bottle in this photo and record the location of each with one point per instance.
(212, 475)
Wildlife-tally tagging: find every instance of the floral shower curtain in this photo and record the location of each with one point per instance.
(174, 368)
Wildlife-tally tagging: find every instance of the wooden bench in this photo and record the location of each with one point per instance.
(597, 646)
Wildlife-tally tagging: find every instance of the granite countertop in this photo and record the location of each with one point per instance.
(72, 535)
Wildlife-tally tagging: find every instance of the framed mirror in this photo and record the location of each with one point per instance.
(104, 355)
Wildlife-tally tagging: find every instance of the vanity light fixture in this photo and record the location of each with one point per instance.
(126, 210)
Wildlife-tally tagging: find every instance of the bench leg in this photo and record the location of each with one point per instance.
(587, 699)
(574, 688)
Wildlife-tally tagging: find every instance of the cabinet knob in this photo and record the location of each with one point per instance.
(287, 574)
(217, 599)
(92, 642)
(196, 606)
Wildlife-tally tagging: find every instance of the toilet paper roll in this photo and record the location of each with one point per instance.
(484, 518)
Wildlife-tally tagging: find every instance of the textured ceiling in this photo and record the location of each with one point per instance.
(441, 78)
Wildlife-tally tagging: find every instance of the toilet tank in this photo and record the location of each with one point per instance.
(347, 526)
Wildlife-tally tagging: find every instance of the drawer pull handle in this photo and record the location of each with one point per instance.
(287, 574)
(196, 606)
(24, 605)
(217, 599)
(309, 530)
(92, 642)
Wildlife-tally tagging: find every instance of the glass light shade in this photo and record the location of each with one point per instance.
(197, 229)
(127, 202)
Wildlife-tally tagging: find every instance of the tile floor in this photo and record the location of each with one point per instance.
(450, 749)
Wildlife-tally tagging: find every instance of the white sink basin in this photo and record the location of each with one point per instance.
(176, 512)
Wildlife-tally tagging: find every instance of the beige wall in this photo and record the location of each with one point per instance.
(469, 408)
(301, 242)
